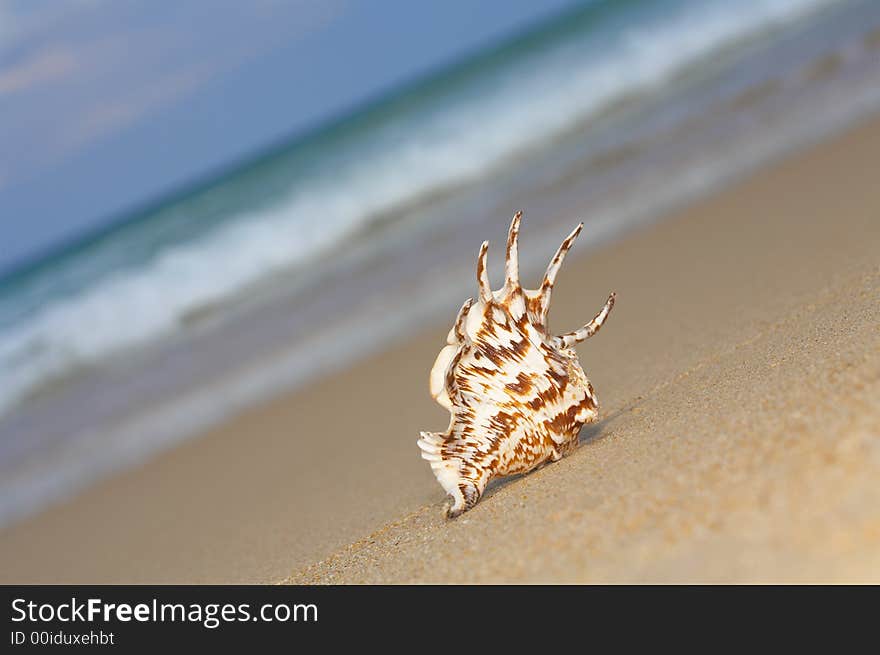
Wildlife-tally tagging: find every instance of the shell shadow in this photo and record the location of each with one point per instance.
(596, 431)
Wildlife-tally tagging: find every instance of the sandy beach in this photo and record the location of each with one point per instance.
(739, 377)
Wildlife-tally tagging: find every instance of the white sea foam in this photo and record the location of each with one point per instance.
(471, 126)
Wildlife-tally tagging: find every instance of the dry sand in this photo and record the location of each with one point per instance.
(740, 380)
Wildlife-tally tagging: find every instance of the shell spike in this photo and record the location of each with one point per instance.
(483, 274)
(553, 268)
(584, 333)
(459, 330)
(511, 267)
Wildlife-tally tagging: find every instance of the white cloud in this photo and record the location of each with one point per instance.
(105, 118)
(41, 67)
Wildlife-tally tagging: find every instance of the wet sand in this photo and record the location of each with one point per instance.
(739, 376)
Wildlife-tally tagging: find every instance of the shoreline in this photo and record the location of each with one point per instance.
(711, 344)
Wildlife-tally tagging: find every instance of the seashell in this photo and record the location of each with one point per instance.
(517, 395)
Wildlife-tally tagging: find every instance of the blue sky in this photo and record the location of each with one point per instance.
(106, 104)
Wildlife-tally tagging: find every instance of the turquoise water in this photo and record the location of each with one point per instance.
(226, 293)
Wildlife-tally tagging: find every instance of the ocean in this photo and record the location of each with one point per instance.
(298, 262)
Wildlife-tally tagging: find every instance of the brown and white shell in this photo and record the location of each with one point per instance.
(517, 395)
